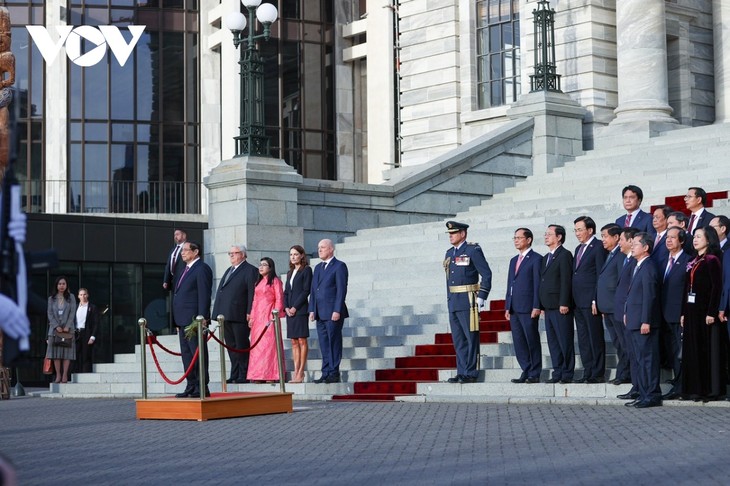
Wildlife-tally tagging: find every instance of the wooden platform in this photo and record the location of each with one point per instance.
(217, 406)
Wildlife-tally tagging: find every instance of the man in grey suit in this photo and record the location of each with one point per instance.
(233, 299)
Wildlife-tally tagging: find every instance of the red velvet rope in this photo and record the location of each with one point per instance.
(246, 350)
(152, 339)
(164, 377)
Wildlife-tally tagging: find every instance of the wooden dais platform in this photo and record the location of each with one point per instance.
(217, 406)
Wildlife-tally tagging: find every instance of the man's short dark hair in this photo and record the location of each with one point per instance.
(629, 232)
(680, 217)
(701, 193)
(666, 210)
(612, 229)
(681, 233)
(559, 231)
(723, 221)
(635, 189)
(588, 221)
(645, 239)
(193, 245)
(526, 233)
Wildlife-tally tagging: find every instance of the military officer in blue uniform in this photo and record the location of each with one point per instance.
(464, 264)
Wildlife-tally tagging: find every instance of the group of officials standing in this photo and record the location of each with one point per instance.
(658, 283)
(245, 290)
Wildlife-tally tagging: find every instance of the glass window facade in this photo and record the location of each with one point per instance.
(498, 52)
(299, 86)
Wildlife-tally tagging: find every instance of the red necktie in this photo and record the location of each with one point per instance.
(627, 223)
(580, 254)
(691, 221)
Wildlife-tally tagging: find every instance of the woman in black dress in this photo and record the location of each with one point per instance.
(704, 353)
(296, 298)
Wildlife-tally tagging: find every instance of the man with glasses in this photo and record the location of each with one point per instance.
(695, 202)
(191, 298)
(721, 224)
(233, 300)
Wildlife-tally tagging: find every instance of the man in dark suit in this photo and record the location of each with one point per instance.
(673, 273)
(327, 306)
(233, 299)
(523, 307)
(464, 264)
(589, 258)
(634, 217)
(556, 272)
(679, 219)
(174, 264)
(628, 264)
(659, 221)
(86, 321)
(721, 223)
(695, 202)
(606, 296)
(191, 298)
(642, 319)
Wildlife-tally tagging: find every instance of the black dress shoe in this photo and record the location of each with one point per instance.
(184, 394)
(321, 379)
(518, 380)
(553, 380)
(628, 396)
(196, 393)
(648, 404)
(230, 380)
(632, 403)
(468, 379)
(454, 379)
(566, 381)
(581, 380)
(242, 381)
(671, 395)
(596, 380)
(533, 380)
(332, 379)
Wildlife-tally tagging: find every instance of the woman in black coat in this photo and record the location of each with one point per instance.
(296, 298)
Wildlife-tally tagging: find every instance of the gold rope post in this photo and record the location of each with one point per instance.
(202, 385)
(279, 348)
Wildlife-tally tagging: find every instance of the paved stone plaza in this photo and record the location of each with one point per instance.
(99, 441)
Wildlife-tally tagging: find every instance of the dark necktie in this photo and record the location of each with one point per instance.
(182, 277)
(228, 274)
(627, 223)
(669, 267)
(549, 259)
(580, 254)
(691, 222)
(173, 259)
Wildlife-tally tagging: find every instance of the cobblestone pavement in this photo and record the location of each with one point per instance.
(99, 441)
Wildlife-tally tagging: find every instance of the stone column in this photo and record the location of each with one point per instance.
(641, 40)
(721, 34)
(253, 200)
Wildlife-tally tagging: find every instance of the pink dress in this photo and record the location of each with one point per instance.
(262, 362)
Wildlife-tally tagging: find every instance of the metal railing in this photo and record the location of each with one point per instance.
(115, 196)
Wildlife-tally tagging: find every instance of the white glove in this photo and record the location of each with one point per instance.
(14, 322)
(481, 302)
(17, 226)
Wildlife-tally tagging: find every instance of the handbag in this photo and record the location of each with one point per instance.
(47, 366)
(63, 339)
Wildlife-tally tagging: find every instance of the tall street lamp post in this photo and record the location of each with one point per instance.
(251, 139)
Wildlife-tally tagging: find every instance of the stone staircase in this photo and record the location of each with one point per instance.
(396, 291)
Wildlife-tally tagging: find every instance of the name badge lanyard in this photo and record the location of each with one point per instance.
(691, 294)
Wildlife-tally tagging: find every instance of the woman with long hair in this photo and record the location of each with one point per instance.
(704, 353)
(268, 295)
(61, 314)
(296, 303)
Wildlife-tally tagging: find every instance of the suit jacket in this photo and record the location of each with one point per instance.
(660, 254)
(673, 287)
(725, 296)
(464, 266)
(191, 294)
(329, 290)
(296, 293)
(585, 272)
(234, 298)
(642, 301)
(523, 287)
(639, 220)
(608, 280)
(622, 285)
(726, 246)
(92, 320)
(556, 280)
(173, 271)
(65, 318)
(704, 219)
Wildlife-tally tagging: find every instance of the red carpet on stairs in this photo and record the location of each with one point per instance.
(424, 366)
